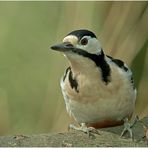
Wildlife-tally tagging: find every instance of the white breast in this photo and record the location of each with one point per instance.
(97, 101)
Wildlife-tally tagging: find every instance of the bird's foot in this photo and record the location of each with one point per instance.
(128, 127)
(88, 130)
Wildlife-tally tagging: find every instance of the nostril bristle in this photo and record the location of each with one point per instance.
(69, 45)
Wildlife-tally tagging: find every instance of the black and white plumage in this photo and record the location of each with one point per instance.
(98, 90)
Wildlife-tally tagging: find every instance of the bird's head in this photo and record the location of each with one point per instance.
(81, 47)
(79, 42)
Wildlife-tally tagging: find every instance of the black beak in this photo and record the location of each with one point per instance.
(63, 47)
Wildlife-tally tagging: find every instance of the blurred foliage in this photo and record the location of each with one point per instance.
(139, 63)
(30, 96)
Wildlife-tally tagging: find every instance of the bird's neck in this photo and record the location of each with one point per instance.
(80, 64)
(90, 64)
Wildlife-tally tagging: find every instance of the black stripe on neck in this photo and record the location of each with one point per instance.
(73, 81)
(99, 61)
(65, 75)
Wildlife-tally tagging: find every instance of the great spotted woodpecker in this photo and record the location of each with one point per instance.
(98, 90)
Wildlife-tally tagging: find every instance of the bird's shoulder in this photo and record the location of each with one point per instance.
(119, 63)
(66, 72)
(71, 79)
(122, 65)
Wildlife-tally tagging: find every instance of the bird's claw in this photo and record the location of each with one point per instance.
(93, 130)
(83, 128)
(128, 127)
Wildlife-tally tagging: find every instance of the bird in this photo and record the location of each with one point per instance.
(98, 89)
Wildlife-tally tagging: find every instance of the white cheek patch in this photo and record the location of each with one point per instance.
(93, 46)
(72, 39)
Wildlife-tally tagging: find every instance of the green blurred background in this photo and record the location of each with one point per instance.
(30, 98)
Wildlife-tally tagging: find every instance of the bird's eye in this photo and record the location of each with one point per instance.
(84, 41)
